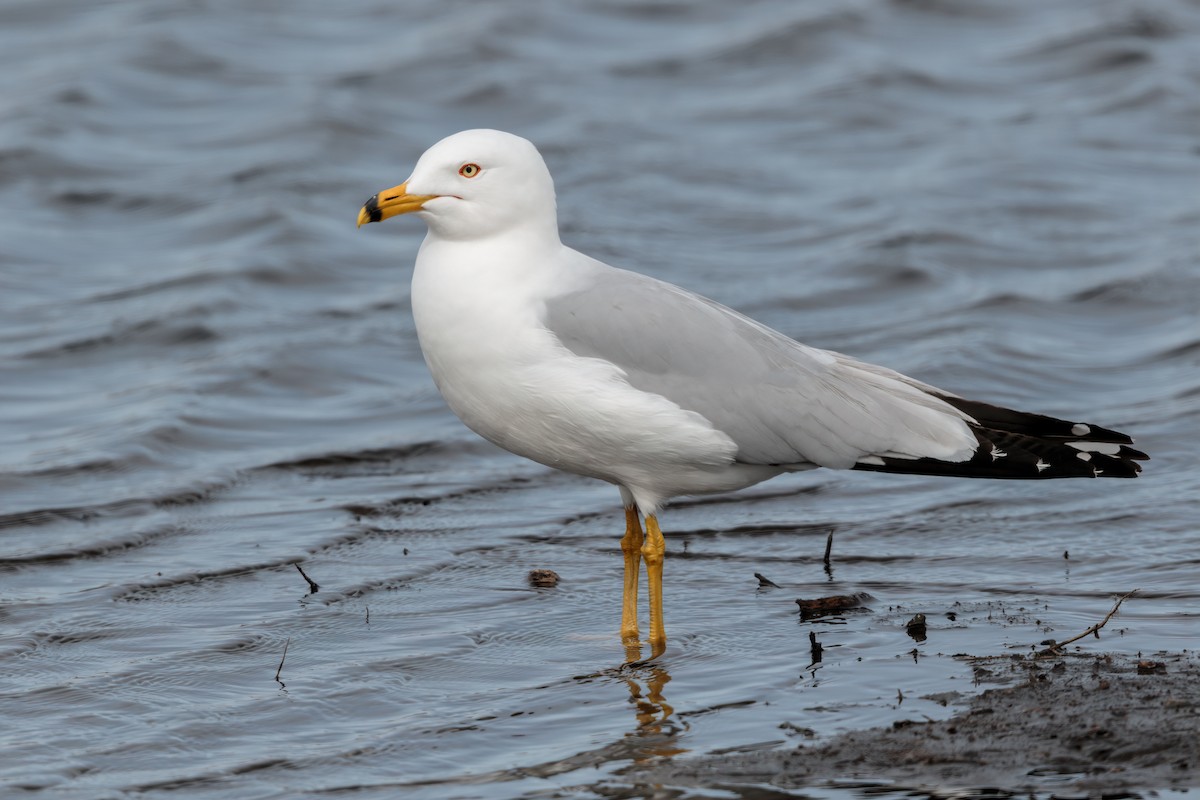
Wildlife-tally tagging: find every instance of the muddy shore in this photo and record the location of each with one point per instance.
(1076, 725)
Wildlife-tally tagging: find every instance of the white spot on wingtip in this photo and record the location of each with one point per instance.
(1079, 429)
(1084, 456)
(998, 453)
(1041, 465)
(874, 461)
(1107, 448)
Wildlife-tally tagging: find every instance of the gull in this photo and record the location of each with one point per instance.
(611, 374)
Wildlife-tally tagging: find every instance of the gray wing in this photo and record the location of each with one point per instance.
(782, 402)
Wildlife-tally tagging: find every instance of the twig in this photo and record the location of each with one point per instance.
(285, 648)
(765, 581)
(828, 549)
(1057, 647)
(312, 585)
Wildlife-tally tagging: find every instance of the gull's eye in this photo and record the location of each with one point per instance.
(469, 170)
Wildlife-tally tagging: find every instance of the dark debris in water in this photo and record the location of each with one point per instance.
(833, 604)
(765, 582)
(313, 586)
(917, 627)
(543, 578)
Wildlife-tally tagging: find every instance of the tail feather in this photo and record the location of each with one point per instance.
(1020, 445)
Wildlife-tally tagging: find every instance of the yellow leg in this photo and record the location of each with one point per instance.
(631, 547)
(653, 550)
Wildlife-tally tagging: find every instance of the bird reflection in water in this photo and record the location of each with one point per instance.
(657, 732)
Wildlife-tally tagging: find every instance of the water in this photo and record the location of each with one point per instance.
(208, 375)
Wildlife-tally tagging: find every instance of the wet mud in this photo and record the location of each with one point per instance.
(1080, 725)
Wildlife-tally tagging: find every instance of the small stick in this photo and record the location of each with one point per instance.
(368, 615)
(764, 581)
(828, 548)
(285, 648)
(313, 587)
(1095, 629)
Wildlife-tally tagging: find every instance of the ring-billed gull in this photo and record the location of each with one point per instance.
(565, 360)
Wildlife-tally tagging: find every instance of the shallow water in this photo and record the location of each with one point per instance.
(207, 375)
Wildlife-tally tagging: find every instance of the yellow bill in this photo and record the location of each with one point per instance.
(391, 202)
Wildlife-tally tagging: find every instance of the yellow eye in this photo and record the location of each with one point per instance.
(469, 170)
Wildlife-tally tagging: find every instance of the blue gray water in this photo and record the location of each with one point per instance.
(207, 375)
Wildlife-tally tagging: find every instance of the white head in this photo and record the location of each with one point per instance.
(473, 185)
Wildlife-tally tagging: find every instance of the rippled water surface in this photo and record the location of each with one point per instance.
(208, 375)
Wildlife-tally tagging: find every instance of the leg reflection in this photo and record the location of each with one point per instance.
(654, 709)
(656, 731)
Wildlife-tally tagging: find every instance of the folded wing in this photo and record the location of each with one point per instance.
(791, 405)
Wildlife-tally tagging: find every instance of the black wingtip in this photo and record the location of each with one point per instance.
(1036, 425)
(1020, 445)
(1014, 456)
